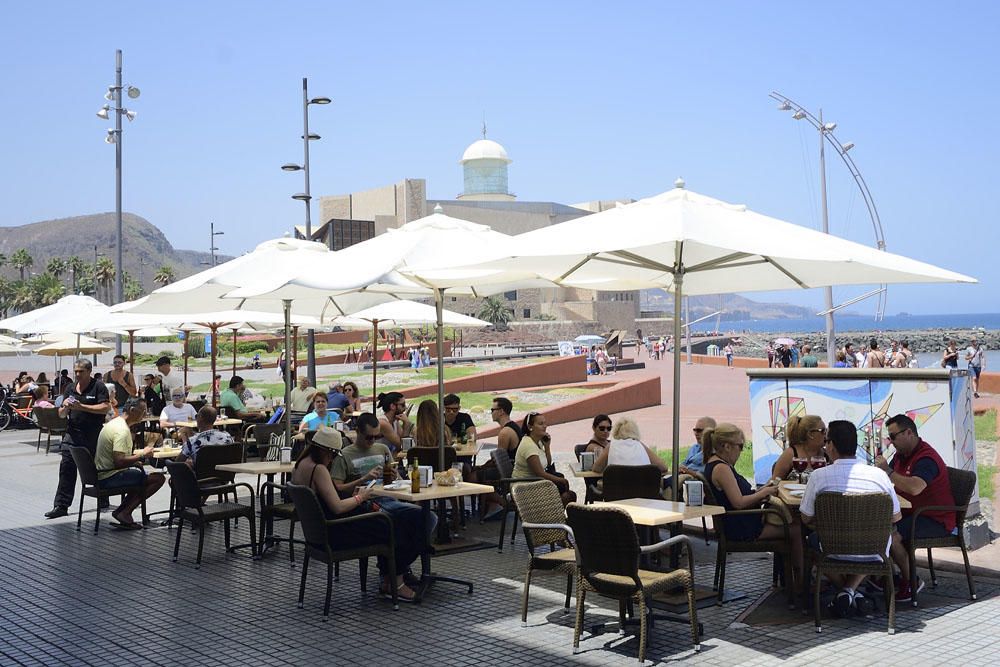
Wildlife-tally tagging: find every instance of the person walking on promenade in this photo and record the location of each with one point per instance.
(976, 356)
(949, 358)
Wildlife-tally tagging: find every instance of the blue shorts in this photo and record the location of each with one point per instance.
(926, 528)
(975, 370)
(125, 478)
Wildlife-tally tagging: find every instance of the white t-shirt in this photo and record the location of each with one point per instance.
(848, 476)
(170, 381)
(628, 452)
(975, 356)
(172, 414)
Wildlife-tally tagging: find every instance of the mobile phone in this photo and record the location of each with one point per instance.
(371, 483)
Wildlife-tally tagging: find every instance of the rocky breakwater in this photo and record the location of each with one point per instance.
(920, 340)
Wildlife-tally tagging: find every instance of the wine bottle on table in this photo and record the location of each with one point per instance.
(415, 476)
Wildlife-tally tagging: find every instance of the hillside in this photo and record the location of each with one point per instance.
(79, 235)
(734, 306)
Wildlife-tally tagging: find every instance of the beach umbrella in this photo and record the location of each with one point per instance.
(9, 350)
(784, 341)
(692, 244)
(49, 319)
(9, 340)
(589, 339)
(71, 345)
(416, 259)
(403, 313)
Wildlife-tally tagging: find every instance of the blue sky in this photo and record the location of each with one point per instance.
(591, 100)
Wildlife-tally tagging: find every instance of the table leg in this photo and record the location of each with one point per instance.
(428, 578)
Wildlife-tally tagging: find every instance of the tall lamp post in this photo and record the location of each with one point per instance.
(211, 244)
(306, 198)
(826, 136)
(114, 136)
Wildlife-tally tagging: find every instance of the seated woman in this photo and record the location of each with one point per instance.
(312, 469)
(723, 446)
(426, 435)
(602, 435)
(319, 416)
(806, 436)
(626, 449)
(42, 397)
(534, 458)
(352, 394)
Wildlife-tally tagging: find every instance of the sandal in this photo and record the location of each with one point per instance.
(135, 525)
(404, 597)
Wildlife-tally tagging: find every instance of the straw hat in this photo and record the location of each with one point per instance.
(328, 437)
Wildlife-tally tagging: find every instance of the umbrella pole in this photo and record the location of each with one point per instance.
(374, 347)
(675, 458)
(439, 344)
(211, 382)
(184, 353)
(131, 353)
(234, 351)
(295, 350)
(287, 305)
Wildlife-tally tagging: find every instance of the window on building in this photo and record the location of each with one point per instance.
(511, 295)
(348, 232)
(454, 298)
(527, 313)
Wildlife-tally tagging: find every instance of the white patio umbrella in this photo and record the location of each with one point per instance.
(71, 345)
(693, 244)
(9, 350)
(403, 313)
(416, 259)
(9, 340)
(47, 318)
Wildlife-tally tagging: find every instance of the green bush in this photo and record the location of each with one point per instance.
(245, 347)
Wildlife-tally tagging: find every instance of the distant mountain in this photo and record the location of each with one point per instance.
(734, 307)
(79, 235)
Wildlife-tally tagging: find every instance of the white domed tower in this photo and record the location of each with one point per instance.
(484, 166)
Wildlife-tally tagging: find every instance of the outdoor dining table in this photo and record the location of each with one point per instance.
(166, 452)
(423, 498)
(788, 496)
(221, 421)
(586, 474)
(269, 468)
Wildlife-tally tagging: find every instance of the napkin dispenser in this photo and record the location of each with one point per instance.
(426, 476)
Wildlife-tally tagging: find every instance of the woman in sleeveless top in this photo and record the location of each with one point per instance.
(602, 435)
(806, 436)
(312, 469)
(723, 446)
(626, 449)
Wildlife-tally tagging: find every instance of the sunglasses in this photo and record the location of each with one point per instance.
(892, 436)
(698, 430)
(603, 428)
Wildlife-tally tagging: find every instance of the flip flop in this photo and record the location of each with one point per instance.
(135, 525)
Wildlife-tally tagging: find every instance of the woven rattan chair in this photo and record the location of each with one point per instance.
(963, 482)
(191, 507)
(51, 424)
(544, 524)
(89, 486)
(726, 546)
(849, 524)
(506, 468)
(607, 555)
(317, 540)
(622, 482)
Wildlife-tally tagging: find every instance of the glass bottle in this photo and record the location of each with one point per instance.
(387, 475)
(415, 475)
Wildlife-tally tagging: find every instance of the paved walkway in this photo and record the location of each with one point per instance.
(75, 598)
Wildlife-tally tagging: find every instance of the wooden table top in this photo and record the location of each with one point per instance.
(786, 497)
(466, 450)
(166, 452)
(650, 512)
(257, 467)
(590, 474)
(222, 421)
(434, 492)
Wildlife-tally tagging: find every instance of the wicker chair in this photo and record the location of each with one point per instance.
(89, 486)
(261, 437)
(506, 468)
(544, 524)
(51, 424)
(622, 482)
(318, 546)
(278, 510)
(191, 507)
(963, 482)
(853, 524)
(726, 546)
(607, 555)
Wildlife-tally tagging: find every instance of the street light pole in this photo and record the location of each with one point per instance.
(306, 198)
(119, 226)
(211, 244)
(831, 339)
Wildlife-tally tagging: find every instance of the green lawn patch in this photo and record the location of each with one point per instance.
(984, 475)
(986, 425)
(744, 465)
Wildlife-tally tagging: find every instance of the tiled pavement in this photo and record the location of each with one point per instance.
(116, 598)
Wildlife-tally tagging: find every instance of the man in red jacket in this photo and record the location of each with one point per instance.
(919, 475)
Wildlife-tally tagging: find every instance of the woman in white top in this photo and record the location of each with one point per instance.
(534, 458)
(626, 449)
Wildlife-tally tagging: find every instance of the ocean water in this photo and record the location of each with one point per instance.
(864, 323)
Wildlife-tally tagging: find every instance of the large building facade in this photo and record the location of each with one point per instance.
(486, 199)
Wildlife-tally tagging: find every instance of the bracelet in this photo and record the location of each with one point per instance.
(358, 499)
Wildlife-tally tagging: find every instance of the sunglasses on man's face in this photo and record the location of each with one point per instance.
(892, 436)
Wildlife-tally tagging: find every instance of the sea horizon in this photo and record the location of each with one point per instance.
(866, 323)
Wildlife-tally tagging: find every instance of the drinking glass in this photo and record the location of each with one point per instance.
(817, 462)
(799, 465)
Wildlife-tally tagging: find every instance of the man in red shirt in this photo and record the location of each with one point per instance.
(921, 476)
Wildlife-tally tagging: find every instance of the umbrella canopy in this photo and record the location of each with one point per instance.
(589, 339)
(50, 319)
(405, 313)
(8, 350)
(693, 244)
(9, 340)
(784, 341)
(71, 345)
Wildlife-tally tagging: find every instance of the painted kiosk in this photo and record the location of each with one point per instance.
(938, 401)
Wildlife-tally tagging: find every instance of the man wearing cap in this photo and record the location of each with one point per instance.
(336, 399)
(207, 436)
(116, 464)
(177, 411)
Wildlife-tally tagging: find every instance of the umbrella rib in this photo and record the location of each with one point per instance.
(714, 263)
(640, 262)
(576, 266)
(786, 272)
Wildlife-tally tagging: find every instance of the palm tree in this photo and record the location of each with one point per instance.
(45, 289)
(56, 266)
(164, 275)
(6, 296)
(133, 290)
(104, 275)
(495, 311)
(3, 259)
(21, 260)
(76, 267)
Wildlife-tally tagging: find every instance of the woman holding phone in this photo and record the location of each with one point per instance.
(534, 456)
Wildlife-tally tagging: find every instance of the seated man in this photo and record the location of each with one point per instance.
(302, 396)
(848, 474)
(319, 416)
(361, 462)
(177, 411)
(207, 436)
(115, 463)
(231, 400)
(694, 462)
(336, 399)
(459, 423)
(919, 475)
